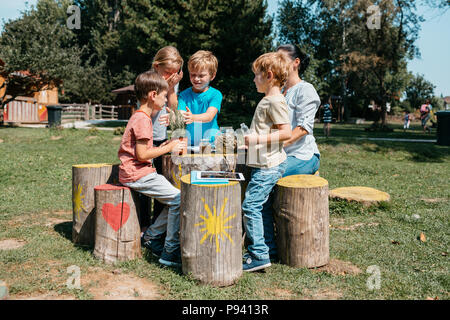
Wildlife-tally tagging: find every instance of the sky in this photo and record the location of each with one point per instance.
(433, 41)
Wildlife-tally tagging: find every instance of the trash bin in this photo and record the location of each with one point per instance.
(54, 115)
(443, 128)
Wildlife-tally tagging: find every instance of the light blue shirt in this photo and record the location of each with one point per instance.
(160, 130)
(198, 103)
(303, 103)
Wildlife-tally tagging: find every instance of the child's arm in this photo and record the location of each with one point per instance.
(297, 133)
(284, 133)
(208, 116)
(143, 153)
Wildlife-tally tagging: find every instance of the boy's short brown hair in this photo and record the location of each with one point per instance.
(203, 59)
(149, 81)
(276, 62)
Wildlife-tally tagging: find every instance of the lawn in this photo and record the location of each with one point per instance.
(36, 208)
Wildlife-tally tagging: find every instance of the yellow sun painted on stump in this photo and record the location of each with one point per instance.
(177, 180)
(78, 200)
(214, 225)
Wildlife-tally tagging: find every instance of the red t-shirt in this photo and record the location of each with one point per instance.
(131, 169)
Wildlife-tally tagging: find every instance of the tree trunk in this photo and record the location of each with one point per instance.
(174, 167)
(301, 219)
(211, 232)
(84, 178)
(117, 231)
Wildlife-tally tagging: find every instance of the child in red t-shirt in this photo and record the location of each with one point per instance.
(136, 171)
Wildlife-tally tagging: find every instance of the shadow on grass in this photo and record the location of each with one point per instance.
(418, 152)
(65, 230)
(150, 258)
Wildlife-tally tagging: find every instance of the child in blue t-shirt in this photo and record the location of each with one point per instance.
(201, 102)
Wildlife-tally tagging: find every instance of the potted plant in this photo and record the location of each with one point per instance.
(178, 127)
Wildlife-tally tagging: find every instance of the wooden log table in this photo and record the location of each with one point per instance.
(84, 178)
(117, 231)
(302, 220)
(211, 232)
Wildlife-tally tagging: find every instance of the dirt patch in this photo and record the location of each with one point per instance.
(355, 226)
(11, 244)
(339, 267)
(117, 139)
(90, 138)
(433, 200)
(55, 137)
(105, 285)
(53, 221)
(1, 141)
(277, 294)
(42, 296)
(323, 294)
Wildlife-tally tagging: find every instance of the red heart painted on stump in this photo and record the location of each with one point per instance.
(114, 215)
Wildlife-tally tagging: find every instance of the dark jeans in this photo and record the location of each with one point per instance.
(157, 164)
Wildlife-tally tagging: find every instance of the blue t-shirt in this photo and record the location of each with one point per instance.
(198, 103)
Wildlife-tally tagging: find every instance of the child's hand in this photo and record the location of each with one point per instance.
(188, 116)
(174, 79)
(164, 119)
(177, 145)
(251, 139)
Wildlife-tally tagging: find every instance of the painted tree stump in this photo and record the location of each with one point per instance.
(367, 196)
(174, 166)
(211, 232)
(117, 231)
(301, 219)
(84, 178)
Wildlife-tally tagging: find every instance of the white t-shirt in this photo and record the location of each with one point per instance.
(303, 103)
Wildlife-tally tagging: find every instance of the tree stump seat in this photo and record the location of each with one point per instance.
(365, 195)
(302, 220)
(117, 230)
(211, 232)
(84, 178)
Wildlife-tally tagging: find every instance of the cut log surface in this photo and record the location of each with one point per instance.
(117, 231)
(174, 167)
(84, 178)
(364, 195)
(211, 232)
(302, 220)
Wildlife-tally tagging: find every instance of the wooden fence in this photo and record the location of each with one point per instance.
(27, 110)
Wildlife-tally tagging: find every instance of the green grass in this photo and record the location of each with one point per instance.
(35, 185)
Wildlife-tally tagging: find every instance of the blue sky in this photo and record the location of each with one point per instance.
(433, 42)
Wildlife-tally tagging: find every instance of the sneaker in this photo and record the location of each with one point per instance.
(156, 246)
(252, 264)
(171, 259)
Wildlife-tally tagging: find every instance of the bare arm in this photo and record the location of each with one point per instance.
(284, 132)
(143, 153)
(208, 116)
(297, 133)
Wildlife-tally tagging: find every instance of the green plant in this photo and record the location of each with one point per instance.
(176, 121)
(119, 131)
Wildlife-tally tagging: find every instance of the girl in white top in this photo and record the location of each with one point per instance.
(303, 103)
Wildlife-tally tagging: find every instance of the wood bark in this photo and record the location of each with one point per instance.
(84, 178)
(302, 220)
(117, 231)
(211, 232)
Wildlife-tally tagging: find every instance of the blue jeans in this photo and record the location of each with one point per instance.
(297, 166)
(258, 212)
(156, 186)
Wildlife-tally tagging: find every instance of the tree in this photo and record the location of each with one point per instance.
(418, 91)
(40, 45)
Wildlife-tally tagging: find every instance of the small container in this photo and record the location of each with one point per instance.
(205, 146)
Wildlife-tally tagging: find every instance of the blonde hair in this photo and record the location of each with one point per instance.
(203, 59)
(276, 62)
(149, 81)
(166, 55)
